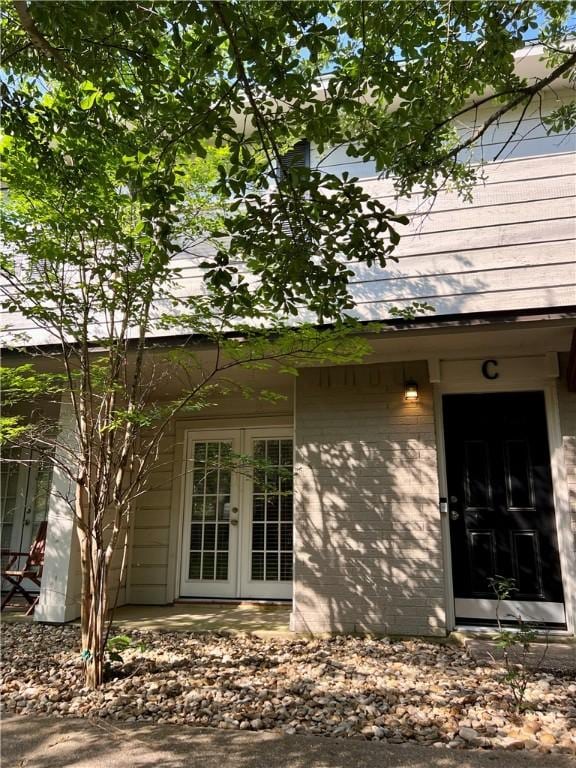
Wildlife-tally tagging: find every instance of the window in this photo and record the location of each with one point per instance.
(297, 157)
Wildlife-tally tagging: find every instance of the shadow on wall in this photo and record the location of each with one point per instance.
(368, 535)
(454, 280)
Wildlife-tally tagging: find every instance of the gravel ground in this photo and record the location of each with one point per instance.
(348, 687)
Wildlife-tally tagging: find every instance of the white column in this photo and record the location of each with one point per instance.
(61, 583)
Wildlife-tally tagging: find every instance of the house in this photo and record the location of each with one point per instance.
(447, 457)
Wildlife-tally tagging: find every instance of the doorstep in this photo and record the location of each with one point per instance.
(553, 653)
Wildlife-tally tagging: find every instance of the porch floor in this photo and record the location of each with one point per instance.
(260, 619)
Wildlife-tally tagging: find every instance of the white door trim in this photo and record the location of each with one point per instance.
(183, 426)
(443, 492)
(523, 374)
(241, 489)
(528, 610)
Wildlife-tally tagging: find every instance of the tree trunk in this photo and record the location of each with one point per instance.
(94, 609)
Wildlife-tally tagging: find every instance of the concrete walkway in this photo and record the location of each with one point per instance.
(67, 743)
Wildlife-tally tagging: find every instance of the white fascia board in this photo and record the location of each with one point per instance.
(530, 65)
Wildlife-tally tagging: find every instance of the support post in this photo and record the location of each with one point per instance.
(61, 583)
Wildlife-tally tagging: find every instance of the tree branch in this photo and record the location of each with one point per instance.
(36, 37)
(525, 93)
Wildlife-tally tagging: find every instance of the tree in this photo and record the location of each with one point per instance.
(90, 262)
(163, 130)
(385, 80)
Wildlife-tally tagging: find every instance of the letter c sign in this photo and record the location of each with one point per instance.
(487, 369)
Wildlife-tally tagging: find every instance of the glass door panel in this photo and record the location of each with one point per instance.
(210, 538)
(238, 524)
(25, 485)
(210, 526)
(270, 519)
(39, 495)
(11, 501)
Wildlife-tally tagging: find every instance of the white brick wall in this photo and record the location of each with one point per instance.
(368, 546)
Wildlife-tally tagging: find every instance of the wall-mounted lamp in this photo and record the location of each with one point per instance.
(411, 390)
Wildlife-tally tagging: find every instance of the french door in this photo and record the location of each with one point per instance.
(238, 514)
(501, 507)
(25, 482)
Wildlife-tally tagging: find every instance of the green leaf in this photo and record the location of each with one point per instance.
(88, 101)
(5, 142)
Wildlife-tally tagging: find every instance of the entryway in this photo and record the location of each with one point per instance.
(501, 507)
(238, 514)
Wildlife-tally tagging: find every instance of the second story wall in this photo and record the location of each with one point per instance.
(511, 248)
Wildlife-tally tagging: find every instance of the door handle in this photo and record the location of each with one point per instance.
(234, 516)
(454, 514)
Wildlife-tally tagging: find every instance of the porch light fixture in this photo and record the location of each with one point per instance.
(411, 390)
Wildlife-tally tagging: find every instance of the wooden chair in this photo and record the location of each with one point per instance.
(32, 569)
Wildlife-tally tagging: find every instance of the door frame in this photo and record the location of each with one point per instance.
(538, 374)
(187, 431)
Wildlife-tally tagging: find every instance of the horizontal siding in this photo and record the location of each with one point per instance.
(531, 139)
(487, 153)
(151, 531)
(147, 575)
(494, 253)
(150, 537)
(149, 594)
(550, 220)
(511, 299)
(465, 283)
(511, 248)
(560, 206)
(149, 518)
(558, 182)
(486, 235)
(518, 255)
(149, 554)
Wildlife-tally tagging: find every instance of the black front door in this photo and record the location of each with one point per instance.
(500, 501)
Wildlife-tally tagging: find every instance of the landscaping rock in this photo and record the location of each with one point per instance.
(345, 687)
